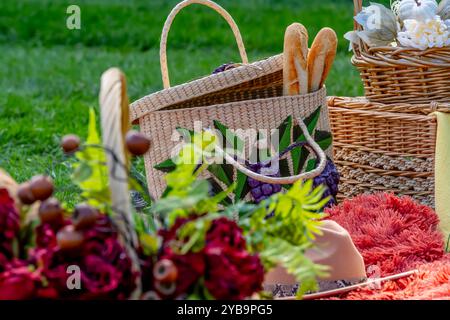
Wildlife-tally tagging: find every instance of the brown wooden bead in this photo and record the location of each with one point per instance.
(51, 211)
(137, 143)
(69, 239)
(84, 216)
(165, 271)
(70, 143)
(24, 194)
(41, 187)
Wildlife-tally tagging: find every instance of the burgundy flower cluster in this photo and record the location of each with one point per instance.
(105, 269)
(90, 242)
(224, 266)
(9, 227)
(17, 281)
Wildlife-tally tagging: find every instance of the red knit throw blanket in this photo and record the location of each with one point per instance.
(396, 235)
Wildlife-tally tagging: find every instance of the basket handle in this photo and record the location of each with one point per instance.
(115, 123)
(168, 24)
(284, 180)
(357, 9)
(361, 47)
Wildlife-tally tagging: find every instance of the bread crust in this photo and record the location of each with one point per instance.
(295, 65)
(321, 57)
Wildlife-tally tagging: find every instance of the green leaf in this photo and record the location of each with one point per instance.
(210, 205)
(299, 155)
(199, 191)
(311, 165)
(149, 243)
(232, 140)
(310, 122)
(187, 134)
(242, 187)
(95, 187)
(284, 131)
(323, 138)
(280, 252)
(223, 172)
(284, 168)
(243, 209)
(217, 189)
(193, 234)
(81, 173)
(165, 166)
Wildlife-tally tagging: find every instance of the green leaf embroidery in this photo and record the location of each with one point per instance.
(217, 189)
(323, 139)
(242, 187)
(310, 122)
(166, 166)
(223, 172)
(285, 134)
(311, 165)
(299, 155)
(231, 139)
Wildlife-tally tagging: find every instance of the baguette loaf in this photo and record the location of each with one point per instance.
(295, 66)
(321, 57)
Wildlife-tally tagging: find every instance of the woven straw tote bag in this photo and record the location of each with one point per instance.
(246, 97)
(402, 75)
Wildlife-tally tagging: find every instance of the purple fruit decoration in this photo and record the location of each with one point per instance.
(330, 179)
(261, 190)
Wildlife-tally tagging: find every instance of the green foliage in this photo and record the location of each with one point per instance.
(283, 238)
(280, 252)
(150, 243)
(296, 213)
(186, 194)
(193, 233)
(280, 240)
(91, 172)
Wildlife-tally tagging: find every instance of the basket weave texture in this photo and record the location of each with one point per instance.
(379, 147)
(400, 75)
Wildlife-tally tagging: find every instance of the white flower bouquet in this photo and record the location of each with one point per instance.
(419, 24)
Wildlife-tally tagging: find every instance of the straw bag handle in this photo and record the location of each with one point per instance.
(284, 180)
(168, 24)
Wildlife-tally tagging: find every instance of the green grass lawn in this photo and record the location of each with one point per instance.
(49, 75)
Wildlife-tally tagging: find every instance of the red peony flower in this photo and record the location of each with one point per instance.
(46, 234)
(231, 272)
(18, 284)
(190, 267)
(225, 232)
(105, 268)
(9, 225)
(228, 270)
(99, 277)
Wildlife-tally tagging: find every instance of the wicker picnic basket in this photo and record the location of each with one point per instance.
(379, 147)
(402, 75)
(246, 97)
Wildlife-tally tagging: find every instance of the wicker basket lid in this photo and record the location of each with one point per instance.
(206, 86)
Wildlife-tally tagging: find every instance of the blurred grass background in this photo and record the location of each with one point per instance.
(49, 75)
